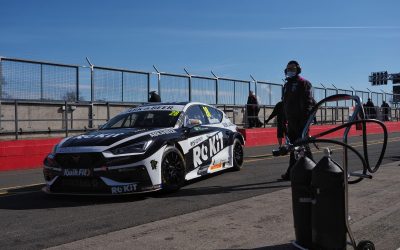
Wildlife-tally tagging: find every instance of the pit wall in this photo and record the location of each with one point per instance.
(28, 154)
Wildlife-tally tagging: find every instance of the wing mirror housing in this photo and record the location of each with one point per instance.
(194, 122)
(191, 123)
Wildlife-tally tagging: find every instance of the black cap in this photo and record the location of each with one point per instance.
(294, 62)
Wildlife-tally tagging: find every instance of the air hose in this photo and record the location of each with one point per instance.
(364, 160)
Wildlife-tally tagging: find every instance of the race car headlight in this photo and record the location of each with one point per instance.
(139, 147)
(53, 151)
(55, 147)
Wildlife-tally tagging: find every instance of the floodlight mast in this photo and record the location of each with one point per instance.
(158, 79)
(216, 87)
(91, 79)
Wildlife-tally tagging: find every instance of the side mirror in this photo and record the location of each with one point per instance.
(193, 123)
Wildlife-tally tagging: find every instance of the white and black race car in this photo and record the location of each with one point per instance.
(146, 148)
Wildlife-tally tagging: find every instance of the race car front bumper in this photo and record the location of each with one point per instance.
(105, 182)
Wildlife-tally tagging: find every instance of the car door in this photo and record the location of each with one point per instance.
(221, 154)
(198, 152)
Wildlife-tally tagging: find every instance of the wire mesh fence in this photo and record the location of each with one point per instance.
(35, 80)
(49, 98)
(30, 80)
(117, 85)
(174, 88)
(29, 83)
(204, 90)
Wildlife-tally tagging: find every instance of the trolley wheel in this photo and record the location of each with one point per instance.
(365, 245)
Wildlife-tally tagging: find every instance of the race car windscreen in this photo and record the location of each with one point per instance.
(144, 119)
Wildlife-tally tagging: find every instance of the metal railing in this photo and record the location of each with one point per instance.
(27, 119)
(23, 79)
(39, 97)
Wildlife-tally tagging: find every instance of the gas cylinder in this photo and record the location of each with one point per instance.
(301, 199)
(328, 209)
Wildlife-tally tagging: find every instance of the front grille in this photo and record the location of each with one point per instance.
(79, 185)
(137, 174)
(83, 160)
(94, 185)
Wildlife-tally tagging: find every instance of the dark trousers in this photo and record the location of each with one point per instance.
(295, 130)
(253, 118)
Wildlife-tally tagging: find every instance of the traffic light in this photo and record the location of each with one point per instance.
(385, 77)
(396, 78)
(372, 78)
(379, 78)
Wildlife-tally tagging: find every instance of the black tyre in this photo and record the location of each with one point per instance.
(237, 155)
(172, 169)
(365, 245)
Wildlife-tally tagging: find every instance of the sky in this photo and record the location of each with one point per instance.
(336, 42)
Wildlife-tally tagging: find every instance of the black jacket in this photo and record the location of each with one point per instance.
(154, 97)
(252, 104)
(278, 112)
(297, 98)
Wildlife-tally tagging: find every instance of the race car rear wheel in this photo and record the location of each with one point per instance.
(172, 169)
(237, 155)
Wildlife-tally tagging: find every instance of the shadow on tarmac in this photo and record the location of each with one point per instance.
(287, 246)
(394, 158)
(33, 198)
(210, 190)
(36, 199)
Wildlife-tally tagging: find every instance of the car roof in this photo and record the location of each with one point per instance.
(164, 103)
(185, 104)
(179, 106)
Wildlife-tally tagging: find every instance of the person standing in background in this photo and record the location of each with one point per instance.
(385, 111)
(154, 97)
(280, 121)
(253, 108)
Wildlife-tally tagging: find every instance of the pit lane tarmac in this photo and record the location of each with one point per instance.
(33, 220)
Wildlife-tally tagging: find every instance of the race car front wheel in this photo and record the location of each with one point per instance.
(172, 169)
(237, 155)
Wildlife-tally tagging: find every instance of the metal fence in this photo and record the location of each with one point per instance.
(32, 80)
(46, 81)
(76, 98)
(27, 119)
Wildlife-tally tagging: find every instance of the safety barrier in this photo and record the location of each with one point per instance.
(267, 136)
(25, 154)
(32, 119)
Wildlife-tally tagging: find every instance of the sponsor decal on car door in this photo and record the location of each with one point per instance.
(204, 152)
(208, 154)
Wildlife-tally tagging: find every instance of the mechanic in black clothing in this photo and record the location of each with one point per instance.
(253, 108)
(154, 97)
(371, 112)
(280, 121)
(385, 111)
(297, 104)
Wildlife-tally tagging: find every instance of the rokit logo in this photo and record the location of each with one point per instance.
(124, 189)
(207, 149)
